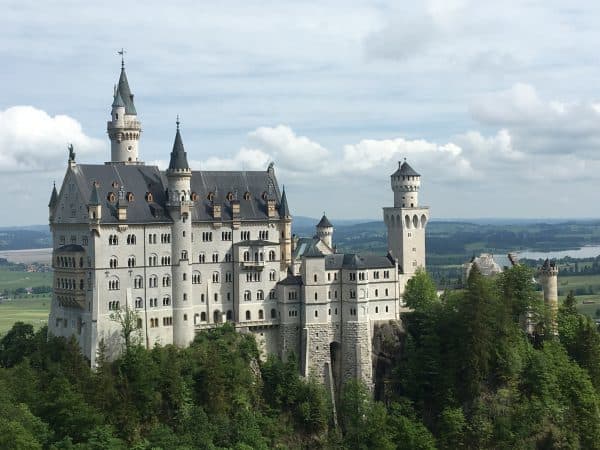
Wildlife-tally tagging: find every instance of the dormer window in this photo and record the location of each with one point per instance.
(230, 196)
(130, 196)
(111, 197)
(246, 195)
(264, 195)
(194, 197)
(210, 196)
(149, 197)
(115, 185)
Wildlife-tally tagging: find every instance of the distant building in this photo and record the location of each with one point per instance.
(189, 250)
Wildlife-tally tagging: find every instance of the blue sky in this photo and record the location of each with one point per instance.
(496, 105)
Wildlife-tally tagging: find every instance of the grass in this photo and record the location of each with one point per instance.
(13, 280)
(34, 310)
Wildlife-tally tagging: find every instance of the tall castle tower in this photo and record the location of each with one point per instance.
(124, 129)
(179, 205)
(406, 221)
(547, 276)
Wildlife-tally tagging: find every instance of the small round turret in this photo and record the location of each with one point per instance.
(325, 231)
(547, 276)
(405, 184)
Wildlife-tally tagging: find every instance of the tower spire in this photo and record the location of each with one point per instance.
(122, 53)
(178, 160)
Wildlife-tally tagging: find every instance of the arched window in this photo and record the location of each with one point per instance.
(247, 295)
(215, 277)
(229, 315)
(113, 262)
(246, 256)
(203, 316)
(273, 313)
(261, 315)
(166, 281)
(248, 315)
(138, 282)
(196, 278)
(260, 295)
(271, 255)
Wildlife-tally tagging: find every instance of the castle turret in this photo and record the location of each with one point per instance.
(406, 221)
(325, 231)
(286, 235)
(124, 129)
(179, 206)
(52, 203)
(94, 208)
(547, 276)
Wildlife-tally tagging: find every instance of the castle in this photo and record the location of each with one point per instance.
(189, 250)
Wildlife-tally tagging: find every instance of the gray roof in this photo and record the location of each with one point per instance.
(405, 169)
(178, 156)
(53, 197)
(324, 222)
(118, 101)
(284, 210)
(357, 261)
(125, 93)
(70, 248)
(291, 280)
(94, 198)
(307, 247)
(141, 180)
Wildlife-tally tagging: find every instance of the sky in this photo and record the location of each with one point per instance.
(495, 104)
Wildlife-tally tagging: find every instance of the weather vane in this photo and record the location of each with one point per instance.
(177, 121)
(122, 53)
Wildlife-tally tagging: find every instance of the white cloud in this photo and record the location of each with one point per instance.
(541, 126)
(31, 140)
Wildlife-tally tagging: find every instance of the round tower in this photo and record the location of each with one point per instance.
(325, 231)
(123, 129)
(179, 206)
(547, 276)
(405, 184)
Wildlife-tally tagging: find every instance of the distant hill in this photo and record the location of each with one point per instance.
(19, 238)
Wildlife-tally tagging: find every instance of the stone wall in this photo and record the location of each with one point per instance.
(356, 352)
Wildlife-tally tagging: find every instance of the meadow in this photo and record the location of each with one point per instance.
(32, 309)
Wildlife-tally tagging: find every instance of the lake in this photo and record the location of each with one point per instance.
(584, 252)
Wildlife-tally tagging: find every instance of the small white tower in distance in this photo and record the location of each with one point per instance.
(406, 221)
(123, 129)
(325, 231)
(547, 276)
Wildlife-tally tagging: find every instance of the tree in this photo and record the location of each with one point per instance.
(18, 343)
(420, 293)
(130, 330)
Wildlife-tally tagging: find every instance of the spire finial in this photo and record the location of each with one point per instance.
(177, 122)
(122, 53)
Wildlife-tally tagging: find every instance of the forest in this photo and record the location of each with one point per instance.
(484, 367)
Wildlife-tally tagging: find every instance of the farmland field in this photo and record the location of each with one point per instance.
(32, 310)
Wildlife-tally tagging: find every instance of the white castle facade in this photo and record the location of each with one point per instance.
(189, 250)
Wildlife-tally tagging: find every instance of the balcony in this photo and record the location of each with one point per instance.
(253, 265)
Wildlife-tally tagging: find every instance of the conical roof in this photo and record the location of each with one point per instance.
(94, 198)
(53, 197)
(284, 210)
(118, 101)
(125, 92)
(178, 155)
(405, 169)
(324, 222)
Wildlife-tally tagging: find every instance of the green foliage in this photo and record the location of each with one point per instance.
(420, 293)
